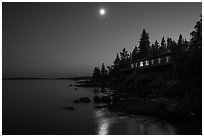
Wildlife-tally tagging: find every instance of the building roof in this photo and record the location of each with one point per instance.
(157, 56)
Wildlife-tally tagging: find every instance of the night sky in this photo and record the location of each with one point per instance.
(70, 39)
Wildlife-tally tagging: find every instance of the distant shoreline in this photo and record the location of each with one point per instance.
(32, 78)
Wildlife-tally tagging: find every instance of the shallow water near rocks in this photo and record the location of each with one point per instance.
(41, 107)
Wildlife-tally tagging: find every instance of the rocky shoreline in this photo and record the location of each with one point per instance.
(128, 102)
(170, 109)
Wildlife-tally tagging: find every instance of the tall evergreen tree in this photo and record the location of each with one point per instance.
(96, 73)
(169, 44)
(103, 70)
(185, 45)
(180, 40)
(124, 63)
(174, 46)
(144, 44)
(130, 56)
(124, 54)
(117, 60)
(135, 53)
(196, 40)
(162, 48)
(155, 48)
(180, 43)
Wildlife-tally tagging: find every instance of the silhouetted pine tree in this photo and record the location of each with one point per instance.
(130, 56)
(185, 46)
(155, 48)
(180, 43)
(124, 54)
(135, 53)
(117, 60)
(103, 71)
(124, 63)
(162, 48)
(196, 40)
(144, 44)
(169, 45)
(109, 69)
(174, 46)
(96, 74)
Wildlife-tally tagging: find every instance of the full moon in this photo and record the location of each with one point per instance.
(102, 11)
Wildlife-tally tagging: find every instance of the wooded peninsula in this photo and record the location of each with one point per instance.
(162, 79)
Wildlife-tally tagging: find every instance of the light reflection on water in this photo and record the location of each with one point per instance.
(103, 123)
(107, 123)
(104, 127)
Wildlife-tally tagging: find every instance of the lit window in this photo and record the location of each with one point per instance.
(147, 62)
(132, 65)
(167, 59)
(152, 61)
(135, 64)
(159, 60)
(141, 64)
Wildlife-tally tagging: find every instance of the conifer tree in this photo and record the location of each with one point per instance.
(180, 43)
(117, 60)
(185, 45)
(103, 70)
(135, 53)
(144, 44)
(162, 48)
(96, 73)
(124, 63)
(124, 54)
(174, 46)
(169, 44)
(196, 40)
(155, 48)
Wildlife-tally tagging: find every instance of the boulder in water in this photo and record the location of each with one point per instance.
(82, 100)
(85, 99)
(102, 99)
(97, 99)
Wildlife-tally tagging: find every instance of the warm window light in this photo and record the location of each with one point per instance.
(167, 59)
(152, 61)
(141, 64)
(159, 60)
(147, 62)
(132, 65)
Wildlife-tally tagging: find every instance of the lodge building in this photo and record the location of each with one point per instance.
(160, 65)
(151, 61)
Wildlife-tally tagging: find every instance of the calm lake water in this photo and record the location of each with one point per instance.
(37, 107)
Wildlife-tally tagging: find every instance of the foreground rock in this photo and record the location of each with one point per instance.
(101, 106)
(83, 100)
(169, 109)
(102, 99)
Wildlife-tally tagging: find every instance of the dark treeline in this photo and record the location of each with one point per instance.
(189, 66)
(185, 83)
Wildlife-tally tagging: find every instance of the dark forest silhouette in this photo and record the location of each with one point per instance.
(190, 56)
(182, 86)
